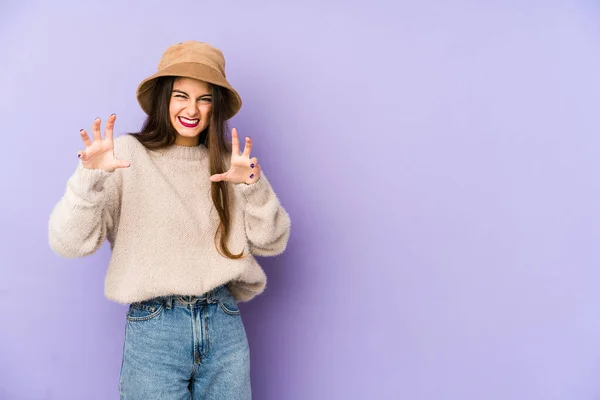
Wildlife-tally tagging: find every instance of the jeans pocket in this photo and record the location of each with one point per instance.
(229, 307)
(144, 311)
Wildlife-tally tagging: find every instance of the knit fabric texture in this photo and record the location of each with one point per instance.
(160, 221)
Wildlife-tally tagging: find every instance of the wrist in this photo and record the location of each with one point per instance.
(252, 181)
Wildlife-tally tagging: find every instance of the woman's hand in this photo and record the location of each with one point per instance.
(243, 168)
(100, 154)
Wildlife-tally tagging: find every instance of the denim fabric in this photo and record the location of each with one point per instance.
(185, 347)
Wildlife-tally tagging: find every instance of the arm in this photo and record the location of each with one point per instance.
(87, 213)
(266, 221)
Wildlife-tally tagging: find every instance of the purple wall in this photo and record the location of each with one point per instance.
(439, 161)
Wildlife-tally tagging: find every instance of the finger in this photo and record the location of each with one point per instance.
(217, 178)
(96, 129)
(253, 162)
(255, 174)
(82, 155)
(247, 147)
(86, 139)
(235, 142)
(110, 124)
(122, 164)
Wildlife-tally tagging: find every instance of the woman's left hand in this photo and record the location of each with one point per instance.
(243, 168)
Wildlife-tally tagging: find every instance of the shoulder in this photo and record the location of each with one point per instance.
(127, 141)
(127, 146)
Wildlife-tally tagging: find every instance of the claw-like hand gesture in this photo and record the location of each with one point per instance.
(243, 168)
(100, 154)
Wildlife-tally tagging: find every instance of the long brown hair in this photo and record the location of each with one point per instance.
(158, 132)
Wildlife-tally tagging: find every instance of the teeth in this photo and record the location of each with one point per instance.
(189, 121)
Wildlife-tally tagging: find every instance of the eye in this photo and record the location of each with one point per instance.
(206, 99)
(180, 96)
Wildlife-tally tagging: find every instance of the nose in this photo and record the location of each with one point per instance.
(191, 108)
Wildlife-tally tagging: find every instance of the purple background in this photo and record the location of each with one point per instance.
(439, 161)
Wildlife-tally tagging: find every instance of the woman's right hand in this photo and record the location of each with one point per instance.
(100, 153)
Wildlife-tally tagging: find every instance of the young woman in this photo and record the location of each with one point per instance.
(185, 212)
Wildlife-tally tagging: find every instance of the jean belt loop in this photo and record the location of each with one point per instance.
(169, 302)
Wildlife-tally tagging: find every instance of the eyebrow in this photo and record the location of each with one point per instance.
(182, 92)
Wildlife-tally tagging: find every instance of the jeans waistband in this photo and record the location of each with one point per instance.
(210, 297)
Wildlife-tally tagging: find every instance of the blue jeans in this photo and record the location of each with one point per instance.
(185, 347)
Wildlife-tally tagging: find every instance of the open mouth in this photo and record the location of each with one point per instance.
(188, 123)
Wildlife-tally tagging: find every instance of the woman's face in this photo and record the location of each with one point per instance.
(190, 109)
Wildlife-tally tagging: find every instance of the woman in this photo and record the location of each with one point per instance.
(184, 213)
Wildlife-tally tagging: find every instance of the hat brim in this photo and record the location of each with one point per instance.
(188, 70)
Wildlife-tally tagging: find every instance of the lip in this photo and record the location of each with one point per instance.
(188, 125)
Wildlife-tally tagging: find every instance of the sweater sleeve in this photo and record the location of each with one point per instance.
(266, 221)
(87, 213)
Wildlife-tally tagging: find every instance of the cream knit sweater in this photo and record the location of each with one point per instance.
(160, 221)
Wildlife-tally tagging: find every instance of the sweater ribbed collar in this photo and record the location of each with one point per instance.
(183, 152)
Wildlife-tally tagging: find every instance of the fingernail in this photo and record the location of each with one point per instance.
(97, 118)
(112, 114)
(251, 165)
(81, 130)
(78, 155)
(251, 176)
